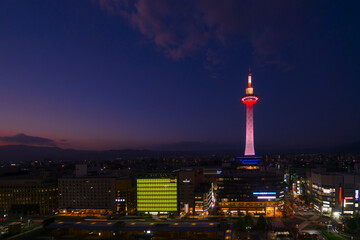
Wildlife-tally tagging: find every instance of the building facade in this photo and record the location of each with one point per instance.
(28, 195)
(89, 195)
(125, 196)
(157, 193)
(334, 193)
(204, 198)
(186, 190)
(253, 192)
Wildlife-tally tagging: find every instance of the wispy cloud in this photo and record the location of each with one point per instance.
(184, 28)
(28, 140)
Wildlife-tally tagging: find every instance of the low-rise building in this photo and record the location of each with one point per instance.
(204, 198)
(334, 193)
(249, 188)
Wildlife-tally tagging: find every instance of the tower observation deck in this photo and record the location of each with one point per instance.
(249, 100)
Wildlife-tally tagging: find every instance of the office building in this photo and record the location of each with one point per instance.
(26, 195)
(125, 200)
(186, 190)
(87, 195)
(157, 193)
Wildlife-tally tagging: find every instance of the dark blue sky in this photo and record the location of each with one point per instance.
(101, 74)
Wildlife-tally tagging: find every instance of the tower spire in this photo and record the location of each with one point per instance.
(249, 77)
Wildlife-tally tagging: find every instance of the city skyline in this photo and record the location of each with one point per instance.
(110, 75)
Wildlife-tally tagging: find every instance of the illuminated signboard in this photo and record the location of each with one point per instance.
(254, 161)
(357, 194)
(340, 195)
(266, 197)
(316, 208)
(264, 193)
(326, 190)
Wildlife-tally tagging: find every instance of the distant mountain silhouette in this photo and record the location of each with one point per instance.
(350, 148)
(31, 153)
(199, 146)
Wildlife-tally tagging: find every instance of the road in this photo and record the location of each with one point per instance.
(306, 220)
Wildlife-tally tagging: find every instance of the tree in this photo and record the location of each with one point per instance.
(354, 224)
(249, 223)
(351, 223)
(261, 223)
(240, 225)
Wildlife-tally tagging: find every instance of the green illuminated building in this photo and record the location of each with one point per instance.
(157, 193)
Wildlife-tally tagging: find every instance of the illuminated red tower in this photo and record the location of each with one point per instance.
(249, 100)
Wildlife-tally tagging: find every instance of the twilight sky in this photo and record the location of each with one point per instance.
(102, 74)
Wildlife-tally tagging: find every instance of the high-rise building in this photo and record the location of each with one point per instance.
(249, 100)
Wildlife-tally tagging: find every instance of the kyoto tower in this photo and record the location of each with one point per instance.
(249, 100)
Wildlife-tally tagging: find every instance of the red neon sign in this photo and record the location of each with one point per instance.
(340, 195)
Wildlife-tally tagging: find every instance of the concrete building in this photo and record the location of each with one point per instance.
(90, 195)
(125, 200)
(334, 193)
(204, 198)
(81, 170)
(25, 195)
(186, 190)
(251, 192)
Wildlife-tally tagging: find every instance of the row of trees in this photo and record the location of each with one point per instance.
(247, 223)
(353, 225)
